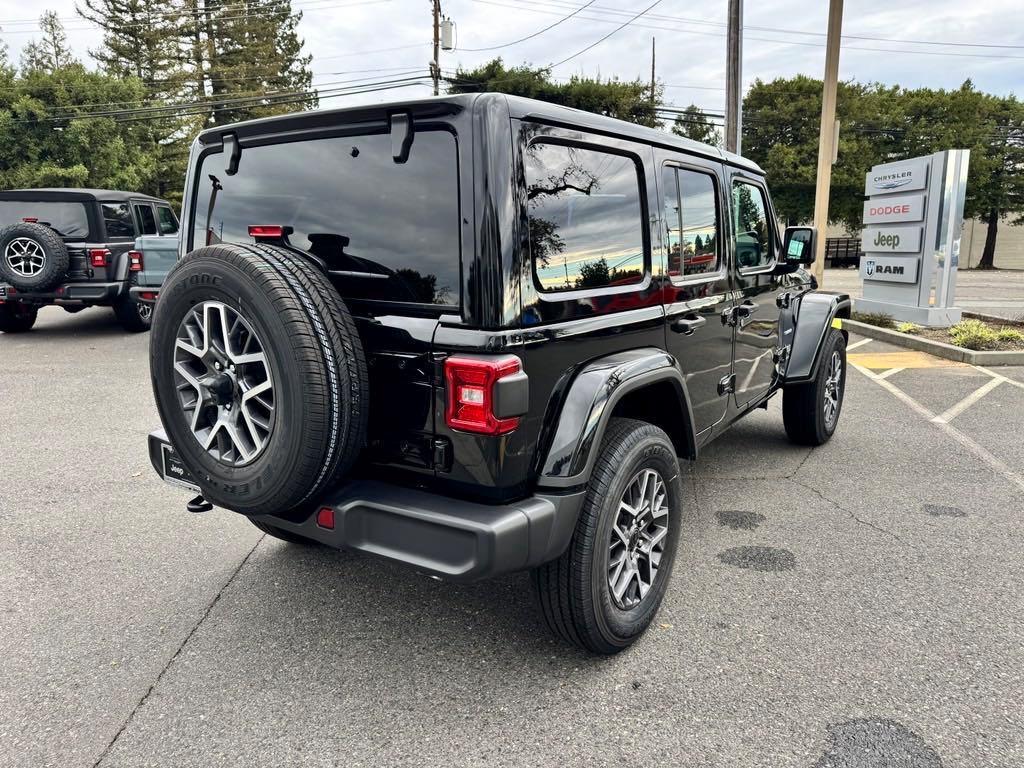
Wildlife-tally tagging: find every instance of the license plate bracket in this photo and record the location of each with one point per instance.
(174, 471)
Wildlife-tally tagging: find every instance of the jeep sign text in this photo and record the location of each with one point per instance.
(891, 240)
(894, 209)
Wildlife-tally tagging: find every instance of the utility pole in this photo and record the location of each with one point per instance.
(435, 65)
(654, 87)
(827, 136)
(734, 79)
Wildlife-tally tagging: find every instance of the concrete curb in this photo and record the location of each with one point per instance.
(996, 319)
(937, 348)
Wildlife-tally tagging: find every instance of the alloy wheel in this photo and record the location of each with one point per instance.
(638, 539)
(224, 383)
(25, 256)
(833, 380)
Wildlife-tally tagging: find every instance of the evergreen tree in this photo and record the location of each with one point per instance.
(51, 52)
(694, 124)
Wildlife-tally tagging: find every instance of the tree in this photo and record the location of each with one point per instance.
(626, 100)
(694, 124)
(51, 53)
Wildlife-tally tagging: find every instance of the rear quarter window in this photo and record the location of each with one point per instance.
(394, 228)
(68, 219)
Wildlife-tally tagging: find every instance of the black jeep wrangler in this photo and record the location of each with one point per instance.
(71, 247)
(474, 333)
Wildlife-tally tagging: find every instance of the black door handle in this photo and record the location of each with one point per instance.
(687, 325)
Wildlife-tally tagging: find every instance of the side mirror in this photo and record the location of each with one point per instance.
(799, 245)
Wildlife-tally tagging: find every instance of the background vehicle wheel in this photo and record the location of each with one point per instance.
(282, 534)
(810, 411)
(133, 315)
(17, 318)
(259, 377)
(32, 257)
(607, 586)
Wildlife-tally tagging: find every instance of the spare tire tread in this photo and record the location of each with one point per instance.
(55, 264)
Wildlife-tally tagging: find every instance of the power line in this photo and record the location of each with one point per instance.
(530, 37)
(598, 42)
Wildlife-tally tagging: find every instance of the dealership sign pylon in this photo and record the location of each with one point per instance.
(913, 219)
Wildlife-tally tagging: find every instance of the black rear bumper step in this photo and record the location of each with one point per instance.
(86, 292)
(454, 539)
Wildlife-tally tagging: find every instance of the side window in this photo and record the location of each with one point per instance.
(147, 222)
(691, 222)
(168, 222)
(752, 231)
(585, 216)
(117, 220)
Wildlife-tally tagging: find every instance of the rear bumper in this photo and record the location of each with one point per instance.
(144, 294)
(454, 539)
(89, 293)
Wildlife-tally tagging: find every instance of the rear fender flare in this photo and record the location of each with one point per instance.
(814, 317)
(589, 403)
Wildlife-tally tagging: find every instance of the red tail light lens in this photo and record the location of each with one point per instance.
(470, 399)
(98, 257)
(135, 261)
(325, 518)
(30, 219)
(266, 230)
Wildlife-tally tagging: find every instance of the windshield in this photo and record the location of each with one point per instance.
(68, 219)
(388, 231)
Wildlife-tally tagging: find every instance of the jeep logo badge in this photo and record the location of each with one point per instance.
(886, 242)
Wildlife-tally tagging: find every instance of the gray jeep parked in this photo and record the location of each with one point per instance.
(77, 248)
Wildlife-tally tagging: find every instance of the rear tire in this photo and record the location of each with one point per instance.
(32, 257)
(576, 591)
(17, 318)
(313, 400)
(134, 316)
(805, 414)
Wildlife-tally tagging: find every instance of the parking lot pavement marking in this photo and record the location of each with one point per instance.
(994, 462)
(860, 343)
(1000, 377)
(890, 372)
(908, 359)
(968, 401)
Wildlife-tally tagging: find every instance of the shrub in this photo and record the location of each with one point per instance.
(911, 328)
(880, 319)
(973, 334)
(1011, 335)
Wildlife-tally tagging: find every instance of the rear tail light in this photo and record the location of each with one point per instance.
(30, 219)
(471, 402)
(134, 261)
(266, 230)
(98, 257)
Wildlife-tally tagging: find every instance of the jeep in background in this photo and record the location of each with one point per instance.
(473, 334)
(70, 247)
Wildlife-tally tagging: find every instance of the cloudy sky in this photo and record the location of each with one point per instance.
(935, 43)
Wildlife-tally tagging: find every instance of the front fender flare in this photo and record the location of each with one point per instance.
(814, 317)
(589, 403)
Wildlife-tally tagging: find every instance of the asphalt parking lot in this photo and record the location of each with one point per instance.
(855, 605)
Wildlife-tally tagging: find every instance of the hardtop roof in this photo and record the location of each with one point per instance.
(74, 194)
(518, 106)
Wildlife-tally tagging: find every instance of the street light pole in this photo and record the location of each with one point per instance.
(435, 65)
(827, 136)
(734, 79)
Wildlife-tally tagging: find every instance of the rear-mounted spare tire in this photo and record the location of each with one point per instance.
(32, 257)
(259, 377)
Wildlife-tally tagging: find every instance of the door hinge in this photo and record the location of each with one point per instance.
(727, 384)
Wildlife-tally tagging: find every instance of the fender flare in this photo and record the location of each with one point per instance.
(588, 405)
(813, 317)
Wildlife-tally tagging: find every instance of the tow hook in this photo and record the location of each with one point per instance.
(199, 504)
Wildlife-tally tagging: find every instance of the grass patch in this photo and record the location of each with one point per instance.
(880, 319)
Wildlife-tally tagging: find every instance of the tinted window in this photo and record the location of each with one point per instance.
(147, 222)
(347, 201)
(168, 222)
(691, 222)
(68, 219)
(753, 233)
(586, 222)
(117, 220)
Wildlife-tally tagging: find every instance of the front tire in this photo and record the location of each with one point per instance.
(17, 318)
(810, 411)
(605, 589)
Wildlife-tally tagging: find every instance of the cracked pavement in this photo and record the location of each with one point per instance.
(851, 626)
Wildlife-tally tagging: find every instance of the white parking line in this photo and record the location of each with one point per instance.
(968, 401)
(994, 462)
(890, 372)
(860, 343)
(999, 376)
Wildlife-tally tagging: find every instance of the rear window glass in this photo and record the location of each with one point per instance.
(117, 220)
(68, 219)
(585, 217)
(393, 227)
